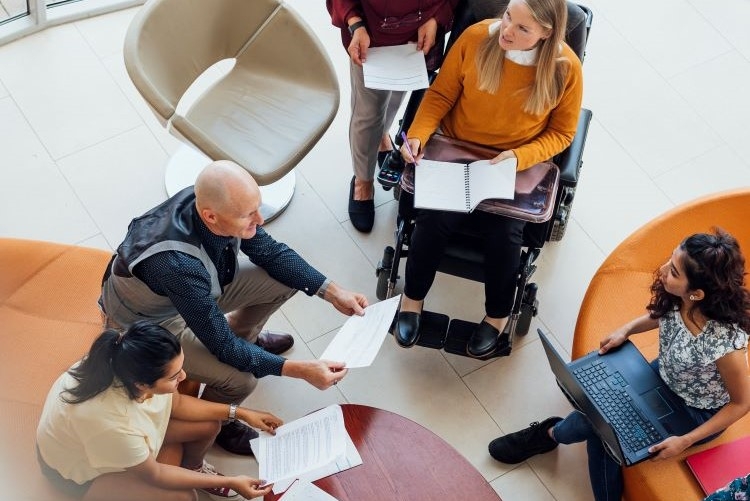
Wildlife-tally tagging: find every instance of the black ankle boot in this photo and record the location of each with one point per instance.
(521, 445)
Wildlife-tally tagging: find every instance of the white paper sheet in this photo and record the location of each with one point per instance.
(350, 459)
(398, 67)
(358, 341)
(303, 445)
(444, 186)
(305, 491)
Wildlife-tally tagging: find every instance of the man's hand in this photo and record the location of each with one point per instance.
(358, 46)
(426, 35)
(347, 302)
(322, 374)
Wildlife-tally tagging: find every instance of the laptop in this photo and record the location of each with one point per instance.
(628, 404)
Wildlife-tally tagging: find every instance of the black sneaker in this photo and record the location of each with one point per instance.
(521, 445)
(235, 437)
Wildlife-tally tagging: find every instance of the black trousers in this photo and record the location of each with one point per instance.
(502, 239)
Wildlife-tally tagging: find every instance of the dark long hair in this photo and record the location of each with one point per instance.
(139, 355)
(713, 262)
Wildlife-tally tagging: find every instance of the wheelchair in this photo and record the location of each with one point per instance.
(463, 256)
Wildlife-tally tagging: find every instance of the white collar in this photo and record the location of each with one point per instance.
(522, 57)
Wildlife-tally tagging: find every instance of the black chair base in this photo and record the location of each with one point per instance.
(440, 332)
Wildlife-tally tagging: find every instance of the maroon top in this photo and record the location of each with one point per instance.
(373, 12)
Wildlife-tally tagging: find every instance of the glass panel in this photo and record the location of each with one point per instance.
(52, 3)
(10, 9)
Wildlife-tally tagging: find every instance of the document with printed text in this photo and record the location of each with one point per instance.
(360, 338)
(398, 67)
(301, 446)
(305, 491)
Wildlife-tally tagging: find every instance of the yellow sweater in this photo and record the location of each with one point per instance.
(455, 103)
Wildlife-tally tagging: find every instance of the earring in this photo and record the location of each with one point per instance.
(692, 298)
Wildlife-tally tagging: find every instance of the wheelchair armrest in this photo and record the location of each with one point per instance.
(570, 160)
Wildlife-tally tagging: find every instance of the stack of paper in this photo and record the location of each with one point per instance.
(307, 449)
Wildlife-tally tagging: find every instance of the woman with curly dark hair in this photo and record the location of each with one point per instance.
(702, 309)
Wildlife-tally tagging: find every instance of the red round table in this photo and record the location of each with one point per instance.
(401, 460)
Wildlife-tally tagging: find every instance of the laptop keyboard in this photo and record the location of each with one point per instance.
(608, 391)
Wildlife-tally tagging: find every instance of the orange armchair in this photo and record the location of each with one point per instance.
(619, 291)
(48, 320)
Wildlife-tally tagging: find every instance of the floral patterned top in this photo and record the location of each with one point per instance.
(687, 363)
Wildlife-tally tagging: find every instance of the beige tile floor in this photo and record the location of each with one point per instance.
(80, 155)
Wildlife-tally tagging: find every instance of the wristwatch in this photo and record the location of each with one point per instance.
(232, 413)
(355, 26)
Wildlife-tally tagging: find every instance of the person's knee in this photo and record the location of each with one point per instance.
(208, 430)
(183, 495)
(235, 388)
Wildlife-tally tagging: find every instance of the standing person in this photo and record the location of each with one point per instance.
(179, 266)
(702, 311)
(109, 421)
(513, 85)
(378, 23)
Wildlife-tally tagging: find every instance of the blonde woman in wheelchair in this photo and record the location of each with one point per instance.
(512, 84)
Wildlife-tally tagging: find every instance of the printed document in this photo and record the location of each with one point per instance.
(303, 445)
(461, 187)
(360, 338)
(398, 67)
(305, 491)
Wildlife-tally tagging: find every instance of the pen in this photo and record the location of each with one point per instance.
(408, 148)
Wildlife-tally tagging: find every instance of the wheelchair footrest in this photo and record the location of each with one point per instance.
(459, 333)
(433, 328)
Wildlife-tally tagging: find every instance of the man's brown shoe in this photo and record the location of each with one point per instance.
(274, 342)
(235, 437)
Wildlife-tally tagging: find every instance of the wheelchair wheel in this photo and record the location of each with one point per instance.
(383, 272)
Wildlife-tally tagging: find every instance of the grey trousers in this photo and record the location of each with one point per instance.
(259, 296)
(373, 112)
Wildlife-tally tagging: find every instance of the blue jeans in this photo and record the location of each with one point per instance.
(604, 472)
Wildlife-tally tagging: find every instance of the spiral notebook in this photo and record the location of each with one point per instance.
(456, 186)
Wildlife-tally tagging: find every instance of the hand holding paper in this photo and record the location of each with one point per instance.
(307, 449)
(359, 339)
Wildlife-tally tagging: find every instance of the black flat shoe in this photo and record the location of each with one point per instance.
(235, 437)
(407, 328)
(483, 340)
(361, 212)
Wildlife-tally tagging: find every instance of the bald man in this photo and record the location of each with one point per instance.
(180, 266)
